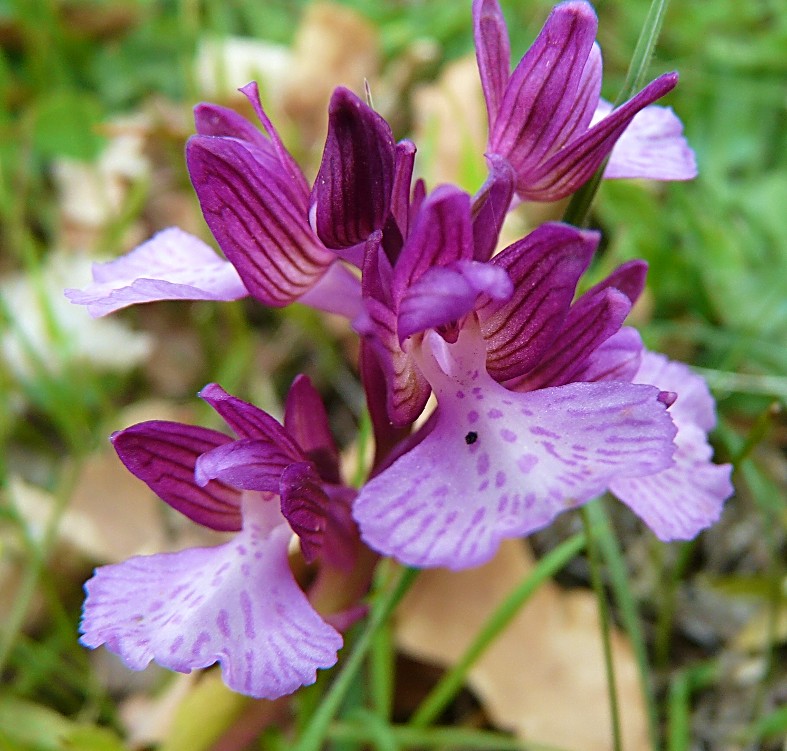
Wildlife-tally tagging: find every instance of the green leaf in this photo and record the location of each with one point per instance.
(66, 124)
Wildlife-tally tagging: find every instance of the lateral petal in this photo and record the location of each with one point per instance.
(236, 604)
(248, 463)
(574, 164)
(172, 265)
(652, 146)
(163, 455)
(501, 464)
(490, 206)
(304, 504)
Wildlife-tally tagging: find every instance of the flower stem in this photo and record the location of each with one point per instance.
(317, 727)
(579, 206)
(604, 621)
(451, 683)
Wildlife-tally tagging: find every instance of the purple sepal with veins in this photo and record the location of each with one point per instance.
(237, 604)
(547, 120)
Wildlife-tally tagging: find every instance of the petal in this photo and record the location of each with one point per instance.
(306, 420)
(490, 207)
(402, 185)
(574, 164)
(628, 278)
(548, 89)
(652, 146)
(249, 464)
(617, 359)
(249, 421)
(500, 464)
(445, 294)
(337, 291)
(442, 233)
(352, 190)
(544, 268)
(590, 322)
(215, 120)
(164, 454)
(304, 504)
(678, 502)
(236, 604)
(694, 405)
(256, 220)
(493, 53)
(172, 265)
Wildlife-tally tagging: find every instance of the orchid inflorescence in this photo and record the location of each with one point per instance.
(544, 400)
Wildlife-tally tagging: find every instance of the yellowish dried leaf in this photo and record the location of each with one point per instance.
(544, 676)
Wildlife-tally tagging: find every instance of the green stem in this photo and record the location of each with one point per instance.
(627, 605)
(317, 727)
(579, 206)
(451, 683)
(594, 559)
(407, 736)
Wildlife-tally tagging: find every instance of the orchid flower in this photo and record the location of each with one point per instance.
(237, 604)
(255, 200)
(547, 120)
(542, 403)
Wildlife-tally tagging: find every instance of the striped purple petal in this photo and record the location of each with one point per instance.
(352, 191)
(236, 604)
(164, 454)
(256, 219)
(493, 53)
(304, 504)
(248, 463)
(544, 268)
(490, 206)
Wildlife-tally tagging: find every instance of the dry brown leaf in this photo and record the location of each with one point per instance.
(543, 678)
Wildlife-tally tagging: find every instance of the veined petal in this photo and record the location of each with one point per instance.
(544, 268)
(215, 120)
(352, 190)
(248, 463)
(164, 454)
(255, 220)
(172, 265)
(694, 405)
(249, 421)
(402, 185)
(236, 604)
(445, 294)
(442, 233)
(306, 420)
(304, 504)
(680, 501)
(490, 206)
(592, 319)
(541, 99)
(500, 464)
(493, 53)
(617, 359)
(628, 278)
(652, 146)
(574, 164)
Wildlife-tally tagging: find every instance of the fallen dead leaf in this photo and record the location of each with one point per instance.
(544, 677)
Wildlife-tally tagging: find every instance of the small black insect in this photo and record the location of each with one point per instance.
(471, 438)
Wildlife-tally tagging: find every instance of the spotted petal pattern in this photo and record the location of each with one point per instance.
(501, 464)
(236, 604)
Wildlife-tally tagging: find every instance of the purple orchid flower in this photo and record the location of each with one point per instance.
(255, 200)
(237, 604)
(537, 411)
(547, 120)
